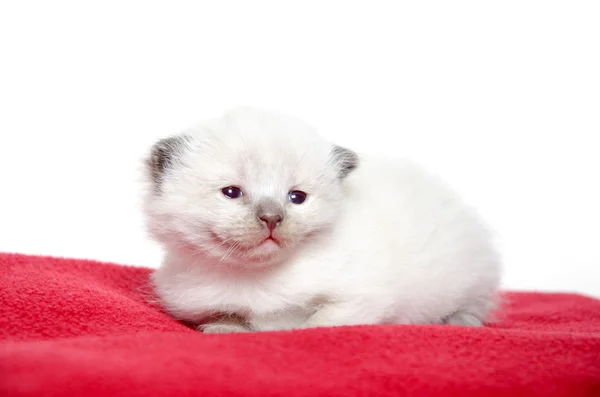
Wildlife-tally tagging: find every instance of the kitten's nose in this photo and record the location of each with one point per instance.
(271, 220)
(270, 212)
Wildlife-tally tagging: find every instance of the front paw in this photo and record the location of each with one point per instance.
(339, 314)
(465, 319)
(222, 328)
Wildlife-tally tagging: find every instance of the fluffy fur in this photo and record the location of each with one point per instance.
(376, 241)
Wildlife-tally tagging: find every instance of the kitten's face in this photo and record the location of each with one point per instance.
(247, 190)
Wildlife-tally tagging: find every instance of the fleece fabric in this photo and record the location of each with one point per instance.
(85, 328)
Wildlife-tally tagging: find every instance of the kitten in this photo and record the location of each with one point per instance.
(267, 226)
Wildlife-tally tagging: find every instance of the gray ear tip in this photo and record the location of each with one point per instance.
(163, 155)
(345, 159)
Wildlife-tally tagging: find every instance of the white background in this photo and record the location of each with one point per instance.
(500, 98)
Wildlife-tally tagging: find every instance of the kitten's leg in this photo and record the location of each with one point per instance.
(350, 314)
(463, 318)
(220, 328)
(341, 313)
(225, 325)
(475, 314)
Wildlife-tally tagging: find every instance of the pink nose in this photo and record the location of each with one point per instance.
(271, 220)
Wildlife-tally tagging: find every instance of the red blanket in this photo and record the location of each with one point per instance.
(83, 328)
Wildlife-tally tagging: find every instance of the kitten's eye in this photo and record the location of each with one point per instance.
(232, 192)
(296, 196)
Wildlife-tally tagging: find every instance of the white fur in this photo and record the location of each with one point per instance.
(389, 243)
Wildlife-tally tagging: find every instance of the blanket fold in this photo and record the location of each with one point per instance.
(73, 327)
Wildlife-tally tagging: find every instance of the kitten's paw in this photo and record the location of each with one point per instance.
(340, 314)
(464, 319)
(221, 328)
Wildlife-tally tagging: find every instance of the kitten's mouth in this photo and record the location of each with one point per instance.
(270, 244)
(270, 241)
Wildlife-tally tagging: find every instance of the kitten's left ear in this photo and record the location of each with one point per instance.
(344, 160)
(163, 156)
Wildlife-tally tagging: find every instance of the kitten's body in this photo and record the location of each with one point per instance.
(381, 241)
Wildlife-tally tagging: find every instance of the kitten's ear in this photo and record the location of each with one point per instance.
(163, 155)
(344, 160)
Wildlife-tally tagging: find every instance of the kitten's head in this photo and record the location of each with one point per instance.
(246, 189)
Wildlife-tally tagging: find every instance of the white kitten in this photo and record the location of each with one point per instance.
(268, 226)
